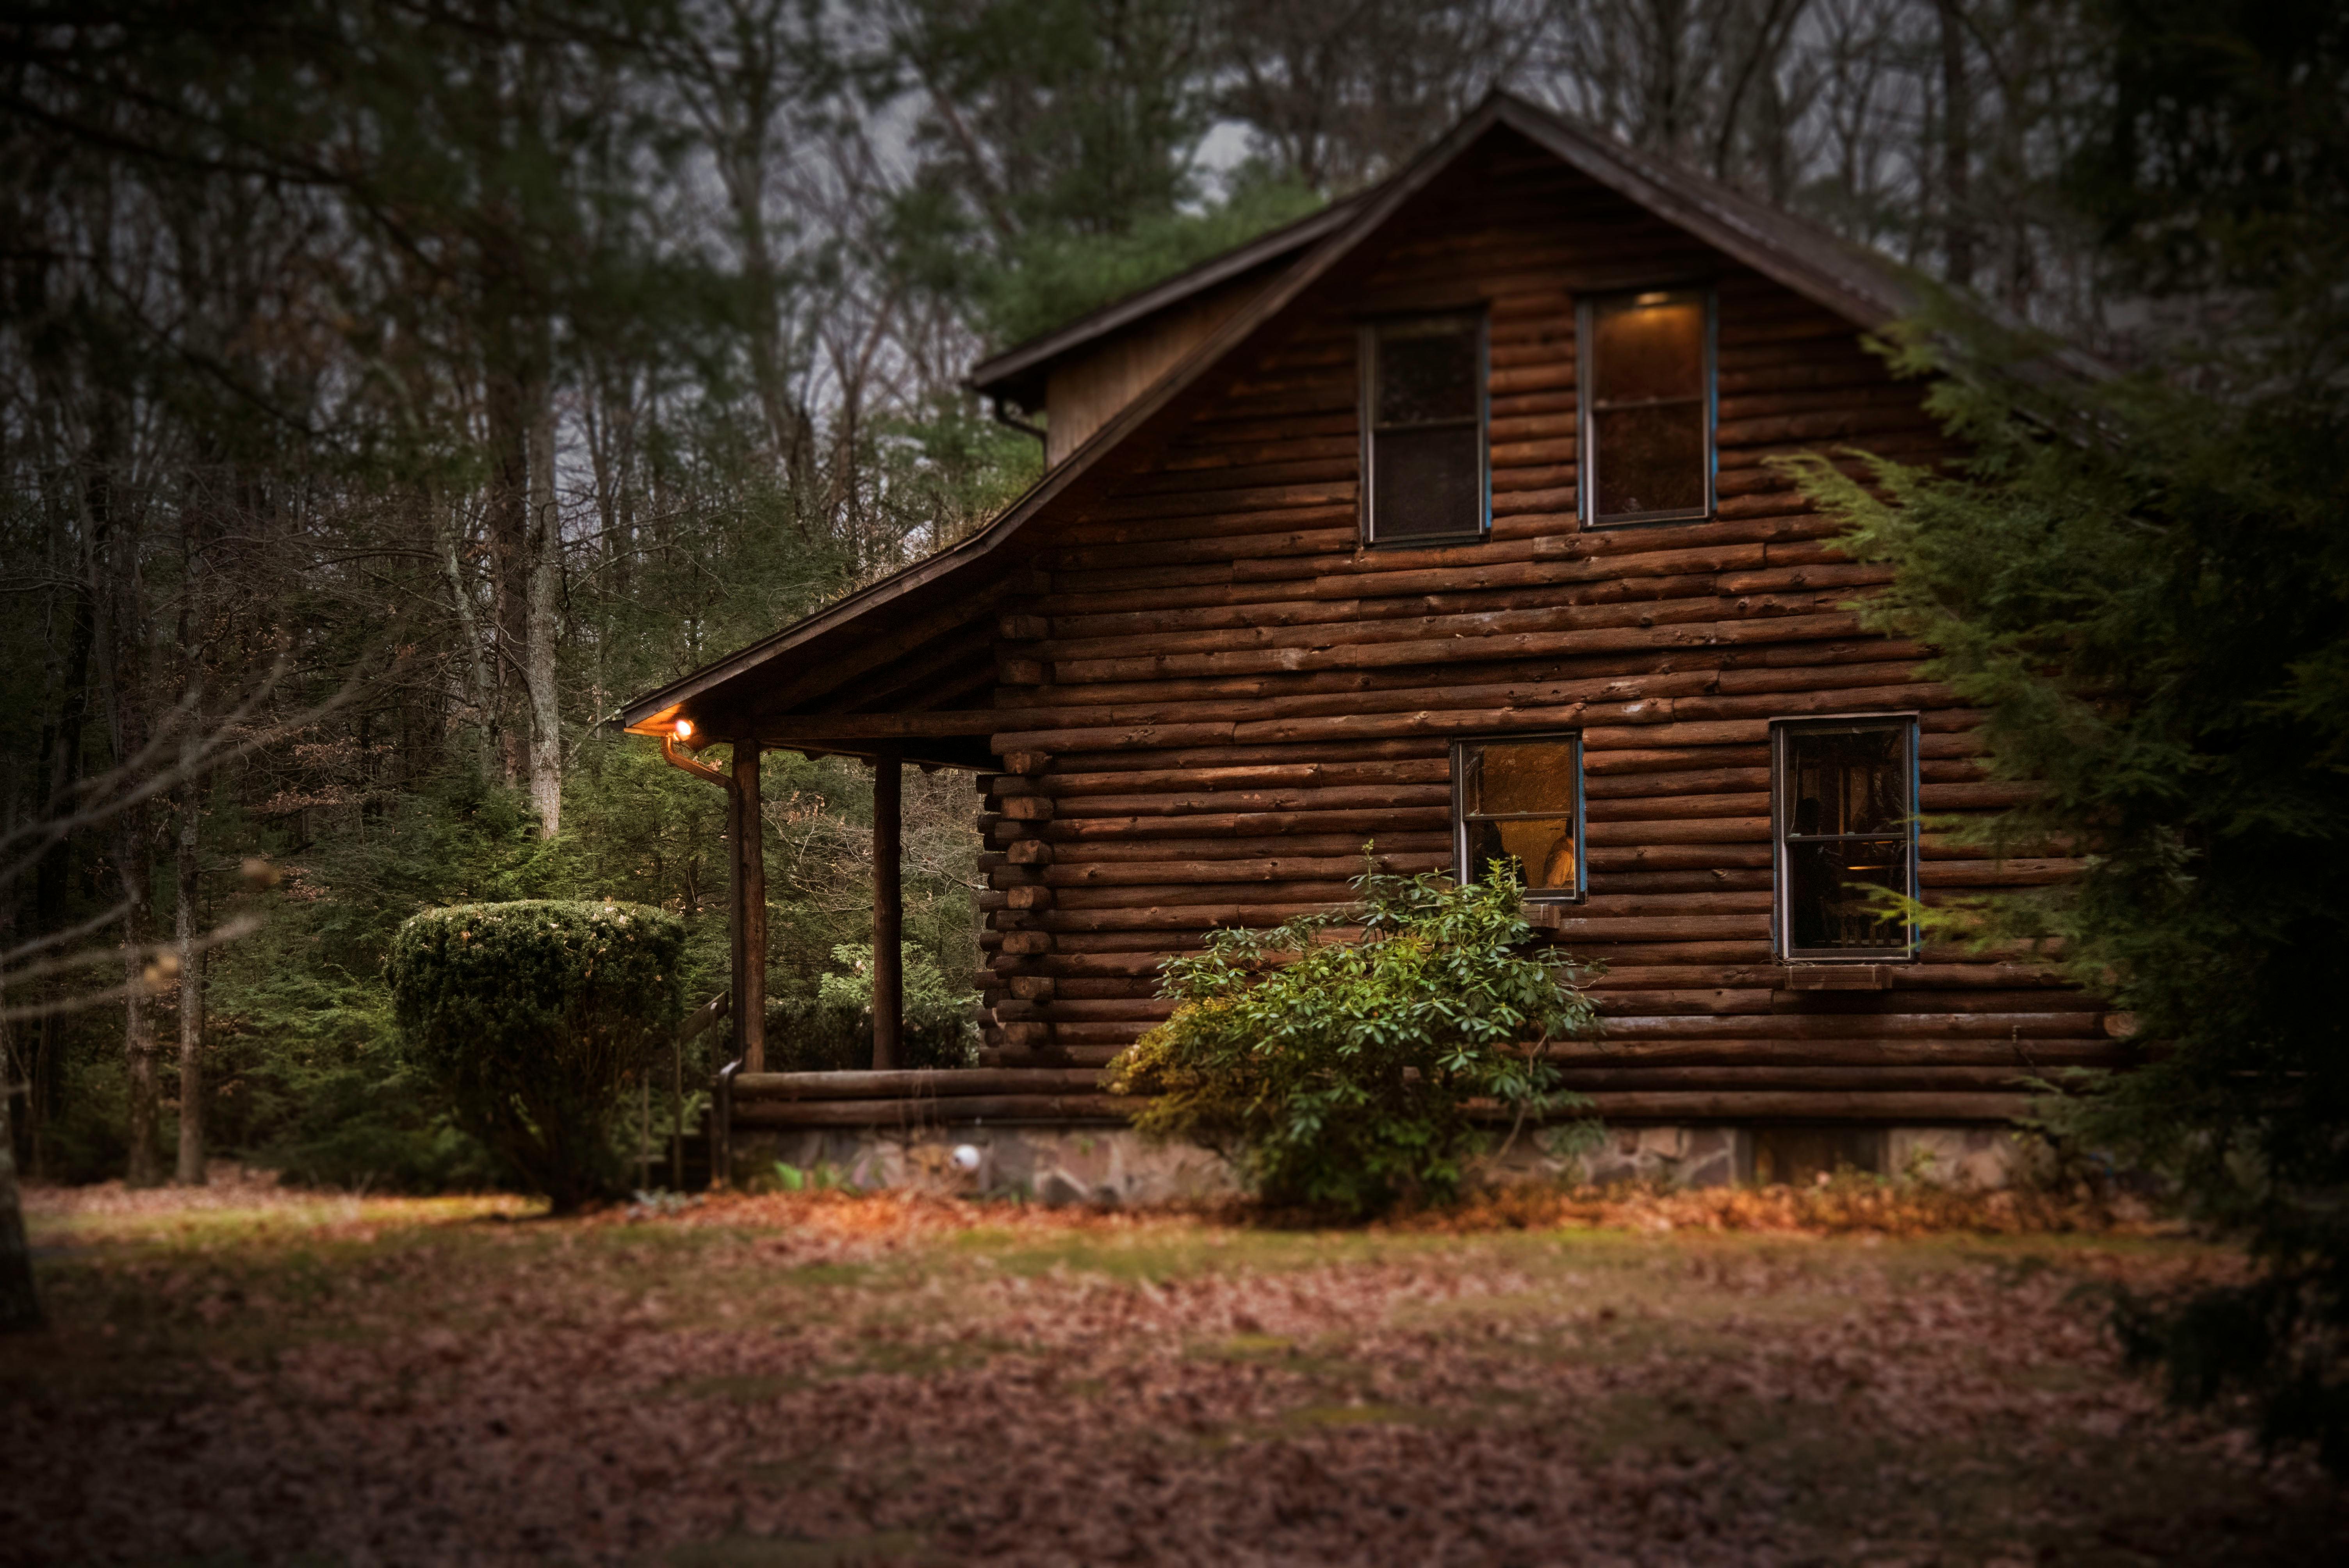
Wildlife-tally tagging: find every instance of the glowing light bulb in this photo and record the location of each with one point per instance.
(685, 729)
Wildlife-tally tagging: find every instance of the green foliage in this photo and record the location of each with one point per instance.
(1339, 1072)
(833, 1030)
(1053, 276)
(532, 1016)
(2152, 610)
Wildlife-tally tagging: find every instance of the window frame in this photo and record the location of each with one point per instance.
(1782, 933)
(1586, 446)
(1367, 360)
(1462, 872)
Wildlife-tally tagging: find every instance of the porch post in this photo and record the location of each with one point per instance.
(888, 916)
(747, 912)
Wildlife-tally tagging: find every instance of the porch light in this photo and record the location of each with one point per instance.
(685, 729)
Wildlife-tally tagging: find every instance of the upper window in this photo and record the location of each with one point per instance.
(1520, 800)
(1647, 407)
(1423, 429)
(1846, 819)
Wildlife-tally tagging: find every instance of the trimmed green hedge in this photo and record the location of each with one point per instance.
(534, 1017)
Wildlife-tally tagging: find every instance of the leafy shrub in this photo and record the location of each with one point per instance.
(833, 1030)
(532, 1016)
(1339, 1072)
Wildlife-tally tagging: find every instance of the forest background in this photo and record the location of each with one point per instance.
(389, 388)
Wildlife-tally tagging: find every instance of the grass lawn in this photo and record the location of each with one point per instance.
(249, 1377)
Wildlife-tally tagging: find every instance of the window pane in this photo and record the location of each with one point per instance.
(1647, 351)
(1542, 847)
(1855, 781)
(1426, 482)
(1527, 776)
(1650, 459)
(1427, 371)
(1829, 885)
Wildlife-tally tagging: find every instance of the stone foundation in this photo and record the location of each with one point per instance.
(1104, 1165)
(1115, 1165)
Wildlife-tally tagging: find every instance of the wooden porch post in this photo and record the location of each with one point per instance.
(747, 912)
(888, 916)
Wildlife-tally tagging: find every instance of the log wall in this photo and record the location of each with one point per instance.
(1242, 696)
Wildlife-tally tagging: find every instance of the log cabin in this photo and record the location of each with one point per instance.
(1444, 520)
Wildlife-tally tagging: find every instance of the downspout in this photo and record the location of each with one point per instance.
(1005, 417)
(677, 759)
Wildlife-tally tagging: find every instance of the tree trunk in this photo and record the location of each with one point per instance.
(144, 1169)
(190, 1171)
(1957, 151)
(480, 693)
(20, 1303)
(508, 519)
(544, 551)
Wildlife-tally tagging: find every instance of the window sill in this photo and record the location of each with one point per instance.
(1835, 976)
(1429, 540)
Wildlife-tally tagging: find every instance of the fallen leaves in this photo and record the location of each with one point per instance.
(820, 1378)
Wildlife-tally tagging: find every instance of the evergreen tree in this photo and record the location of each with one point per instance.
(2144, 584)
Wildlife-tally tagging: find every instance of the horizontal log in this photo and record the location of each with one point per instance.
(1681, 803)
(915, 1084)
(2043, 1056)
(1570, 928)
(1606, 860)
(1716, 630)
(1880, 1107)
(1986, 976)
(1863, 1026)
(1701, 900)
(1808, 1079)
(1611, 883)
(1335, 799)
(1175, 917)
(1291, 868)
(1329, 890)
(1087, 852)
(1688, 998)
(1422, 818)
(1143, 780)
(1236, 756)
(1690, 830)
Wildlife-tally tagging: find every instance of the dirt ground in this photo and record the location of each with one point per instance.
(248, 1375)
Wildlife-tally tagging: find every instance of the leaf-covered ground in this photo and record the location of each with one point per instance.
(1723, 1378)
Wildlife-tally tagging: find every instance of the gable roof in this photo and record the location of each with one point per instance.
(1859, 285)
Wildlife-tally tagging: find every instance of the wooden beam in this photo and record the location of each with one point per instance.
(747, 912)
(888, 916)
(787, 729)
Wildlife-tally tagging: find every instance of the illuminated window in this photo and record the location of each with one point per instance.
(1423, 430)
(1647, 407)
(1520, 800)
(1845, 815)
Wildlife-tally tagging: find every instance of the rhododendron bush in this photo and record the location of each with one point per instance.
(1338, 1058)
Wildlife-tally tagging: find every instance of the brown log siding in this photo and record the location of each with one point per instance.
(1235, 696)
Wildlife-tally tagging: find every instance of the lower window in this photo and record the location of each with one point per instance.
(1844, 815)
(1519, 801)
